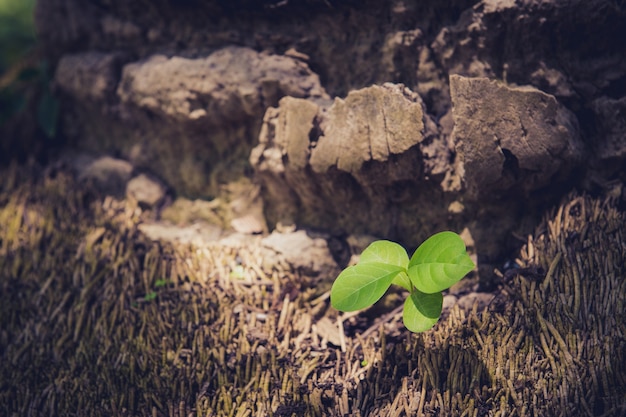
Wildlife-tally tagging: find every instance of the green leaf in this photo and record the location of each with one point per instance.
(160, 283)
(385, 252)
(361, 285)
(422, 311)
(439, 262)
(402, 279)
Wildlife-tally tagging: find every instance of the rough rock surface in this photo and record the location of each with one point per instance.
(185, 119)
(230, 85)
(89, 75)
(181, 89)
(355, 166)
(293, 245)
(145, 190)
(110, 175)
(507, 136)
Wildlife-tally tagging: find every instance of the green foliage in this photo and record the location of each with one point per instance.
(438, 263)
(17, 31)
(24, 77)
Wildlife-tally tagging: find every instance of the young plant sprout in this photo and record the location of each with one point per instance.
(438, 263)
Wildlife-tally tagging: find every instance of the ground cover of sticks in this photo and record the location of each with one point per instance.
(98, 320)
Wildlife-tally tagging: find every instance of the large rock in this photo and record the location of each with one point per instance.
(230, 85)
(511, 136)
(369, 163)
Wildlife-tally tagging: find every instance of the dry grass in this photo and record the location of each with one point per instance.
(97, 320)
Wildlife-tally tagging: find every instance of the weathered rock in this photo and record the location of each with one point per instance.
(167, 118)
(305, 253)
(191, 120)
(363, 165)
(145, 190)
(525, 43)
(511, 136)
(370, 125)
(376, 163)
(110, 175)
(89, 75)
(230, 85)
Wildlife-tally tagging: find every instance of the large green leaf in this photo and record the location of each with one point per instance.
(361, 285)
(422, 311)
(385, 252)
(439, 262)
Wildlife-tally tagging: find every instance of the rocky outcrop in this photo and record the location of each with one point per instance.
(376, 163)
(184, 119)
(359, 165)
(183, 90)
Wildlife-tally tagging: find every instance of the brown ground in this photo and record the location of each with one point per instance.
(99, 320)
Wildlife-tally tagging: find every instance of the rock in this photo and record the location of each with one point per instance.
(610, 144)
(108, 174)
(89, 75)
(482, 299)
(248, 224)
(190, 105)
(305, 253)
(370, 125)
(229, 85)
(353, 166)
(145, 190)
(188, 118)
(511, 136)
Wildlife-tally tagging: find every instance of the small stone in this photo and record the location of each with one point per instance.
(145, 190)
(311, 255)
(249, 224)
(108, 174)
(456, 207)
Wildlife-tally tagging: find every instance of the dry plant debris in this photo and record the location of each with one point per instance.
(99, 320)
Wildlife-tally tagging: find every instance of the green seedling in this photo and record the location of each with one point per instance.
(152, 295)
(438, 263)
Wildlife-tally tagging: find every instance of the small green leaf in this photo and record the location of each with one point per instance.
(385, 252)
(361, 285)
(422, 311)
(150, 296)
(439, 262)
(160, 283)
(402, 279)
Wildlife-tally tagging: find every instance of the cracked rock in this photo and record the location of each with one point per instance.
(229, 85)
(511, 136)
(370, 163)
